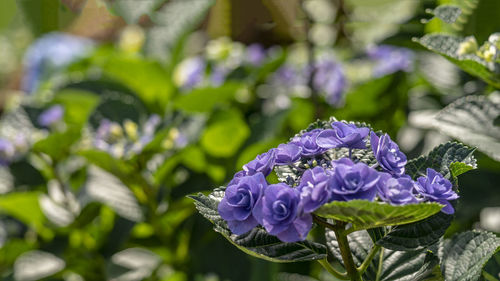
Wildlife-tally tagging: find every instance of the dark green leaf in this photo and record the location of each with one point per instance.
(396, 265)
(440, 159)
(471, 120)
(416, 235)
(364, 214)
(257, 242)
(464, 255)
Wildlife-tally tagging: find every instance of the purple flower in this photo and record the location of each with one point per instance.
(239, 201)
(51, 115)
(343, 135)
(353, 181)
(388, 154)
(287, 154)
(52, 52)
(279, 211)
(397, 191)
(263, 163)
(7, 151)
(218, 75)
(436, 188)
(308, 143)
(255, 54)
(390, 59)
(314, 188)
(329, 78)
(189, 73)
(237, 177)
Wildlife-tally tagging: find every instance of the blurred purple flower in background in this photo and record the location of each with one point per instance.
(436, 188)
(218, 75)
(190, 72)
(329, 79)
(7, 151)
(279, 211)
(255, 54)
(51, 116)
(51, 53)
(389, 59)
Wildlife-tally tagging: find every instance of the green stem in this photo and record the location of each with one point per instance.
(368, 259)
(380, 262)
(326, 265)
(345, 251)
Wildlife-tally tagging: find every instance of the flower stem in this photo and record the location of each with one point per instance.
(326, 265)
(368, 259)
(380, 262)
(345, 251)
(350, 153)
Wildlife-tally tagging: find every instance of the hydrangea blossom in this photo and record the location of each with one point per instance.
(287, 154)
(307, 142)
(315, 188)
(238, 203)
(343, 135)
(388, 154)
(436, 188)
(189, 73)
(51, 116)
(397, 191)
(52, 52)
(279, 210)
(263, 163)
(353, 181)
(286, 209)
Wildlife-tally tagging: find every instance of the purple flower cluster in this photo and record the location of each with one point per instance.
(286, 211)
(51, 116)
(389, 59)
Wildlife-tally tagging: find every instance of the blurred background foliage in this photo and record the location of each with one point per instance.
(114, 110)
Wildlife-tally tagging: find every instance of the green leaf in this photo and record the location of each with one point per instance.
(173, 21)
(364, 214)
(447, 46)
(23, 206)
(471, 120)
(447, 13)
(396, 265)
(205, 99)
(459, 168)
(107, 162)
(78, 105)
(45, 15)
(464, 255)
(440, 159)
(58, 145)
(225, 135)
(7, 13)
(147, 78)
(257, 242)
(418, 235)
